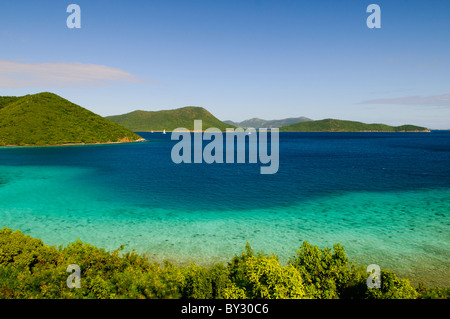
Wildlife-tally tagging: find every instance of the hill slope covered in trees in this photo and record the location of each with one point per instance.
(260, 123)
(332, 125)
(48, 119)
(168, 119)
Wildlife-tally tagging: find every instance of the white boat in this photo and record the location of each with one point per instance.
(164, 132)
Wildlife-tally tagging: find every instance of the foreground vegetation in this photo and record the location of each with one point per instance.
(48, 119)
(31, 269)
(332, 125)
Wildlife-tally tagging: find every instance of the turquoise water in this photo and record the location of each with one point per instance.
(357, 191)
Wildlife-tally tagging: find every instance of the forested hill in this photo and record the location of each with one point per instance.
(332, 125)
(48, 119)
(169, 119)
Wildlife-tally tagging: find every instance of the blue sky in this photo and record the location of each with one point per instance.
(238, 59)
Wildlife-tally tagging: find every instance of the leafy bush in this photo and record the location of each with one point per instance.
(260, 276)
(329, 272)
(432, 292)
(392, 287)
(204, 283)
(31, 269)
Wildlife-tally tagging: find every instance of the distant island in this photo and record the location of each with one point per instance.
(257, 122)
(184, 117)
(48, 119)
(333, 125)
(168, 119)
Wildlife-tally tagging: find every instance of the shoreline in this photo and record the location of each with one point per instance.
(203, 131)
(426, 131)
(76, 144)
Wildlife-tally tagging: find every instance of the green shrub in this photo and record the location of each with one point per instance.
(392, 287)
(432, 292)
(24, 251)
(31, 269)
(260, 276)
(329, 272)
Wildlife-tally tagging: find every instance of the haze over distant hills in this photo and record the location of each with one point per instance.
(260, 123)
(48, 119)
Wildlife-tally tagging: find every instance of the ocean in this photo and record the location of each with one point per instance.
(384, 196)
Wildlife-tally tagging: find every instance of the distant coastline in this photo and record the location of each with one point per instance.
(46, 119)
(416, 131)
(169, 120)
(76, 144)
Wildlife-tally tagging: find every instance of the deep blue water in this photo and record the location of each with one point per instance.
(384, 196)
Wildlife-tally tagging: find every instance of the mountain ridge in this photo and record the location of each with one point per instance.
(260, 123)
(170, 119)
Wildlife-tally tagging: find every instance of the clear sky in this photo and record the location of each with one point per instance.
(270, 59)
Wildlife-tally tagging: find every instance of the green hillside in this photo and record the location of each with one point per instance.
(168, 119)
(332, 125)
(260, 123)
(48, 119)
(5, 100)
